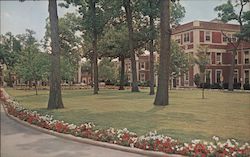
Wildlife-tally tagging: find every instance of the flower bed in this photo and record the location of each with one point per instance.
(151, 141)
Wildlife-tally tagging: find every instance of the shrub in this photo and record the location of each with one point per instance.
(246, 86)
(216, 86)
(197, 80)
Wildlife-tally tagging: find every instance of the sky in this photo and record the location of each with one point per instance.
(17, 16)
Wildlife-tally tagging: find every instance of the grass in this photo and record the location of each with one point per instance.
(188, 117)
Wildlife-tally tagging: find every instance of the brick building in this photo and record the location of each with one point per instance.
(199, 33)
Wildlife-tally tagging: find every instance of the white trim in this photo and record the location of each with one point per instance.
(205, 35)
(244, 74)
(220, 62)
(236, 70)
(210, 70)
(244, 56)
(216, 75)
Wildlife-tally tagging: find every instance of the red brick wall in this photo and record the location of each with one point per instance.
(201, 36)
(226, 58)
(191, 36)
(216, 37)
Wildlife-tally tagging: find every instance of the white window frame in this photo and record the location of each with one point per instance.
(236, 58)
(236, 70)
(210, 36)
(248, 57)
(144, 64)
(187, 37)
(218, 62)
(210, 75)
(216, 75)
(178, 39)
(245, 75)
(144, 79)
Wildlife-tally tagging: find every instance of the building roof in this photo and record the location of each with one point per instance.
(212, 25)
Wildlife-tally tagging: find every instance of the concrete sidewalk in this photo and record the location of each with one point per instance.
(20, 141)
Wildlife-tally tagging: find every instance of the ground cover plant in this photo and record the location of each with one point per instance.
(189, 117)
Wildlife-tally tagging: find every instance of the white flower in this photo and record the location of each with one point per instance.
(216, 138)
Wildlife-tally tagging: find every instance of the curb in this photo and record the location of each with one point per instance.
(91, 142)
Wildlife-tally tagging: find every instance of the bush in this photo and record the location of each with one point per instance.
(225, 85)
(216, 86)
(237, 85)
(197, 80)
(246, 86)
(206, 85)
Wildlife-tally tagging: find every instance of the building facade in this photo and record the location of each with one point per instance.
(199, 33)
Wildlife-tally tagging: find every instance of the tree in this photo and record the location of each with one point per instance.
(9, 53)
(115, 44)
(162, 97)
(70, 45)
(55, 96)
(228, 12)
(95, 15)
(129, 16)
(202, 61)
(107, 70)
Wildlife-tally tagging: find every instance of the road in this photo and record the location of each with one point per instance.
(21, 141)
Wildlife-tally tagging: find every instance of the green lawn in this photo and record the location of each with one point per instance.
(188, 117)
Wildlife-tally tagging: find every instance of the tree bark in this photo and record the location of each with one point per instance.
(10, 83)
(122, 59)
(162, 97)
(131, 45)
(36, 87)
(231, 71)
(55, 96)
(151, 56)
(94, 44)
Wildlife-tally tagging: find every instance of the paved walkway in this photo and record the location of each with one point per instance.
(20, 141)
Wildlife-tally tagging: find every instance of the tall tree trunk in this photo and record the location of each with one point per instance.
(162, 97)
(94, 44)
(151, 56)
(55, 96)
(122, 59)
(231, 71)
(131, 44)
(92, 71)
(10, 83)
(203, 83)
(36, 87)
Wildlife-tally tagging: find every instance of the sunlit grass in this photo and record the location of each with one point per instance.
(224, 114)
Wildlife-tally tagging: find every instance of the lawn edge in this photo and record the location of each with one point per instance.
(90, 141)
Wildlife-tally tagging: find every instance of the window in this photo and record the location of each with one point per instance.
(142, 77)
(246, 73)
(186, 37)
(208, 36)
(178, 39)
(142, 65)
(208, 57)
(186, 76)
(129, 78)
(218, 58)
(246, 56)
(208, 76)
(235, 76)
(236, 58)
(218, 76)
